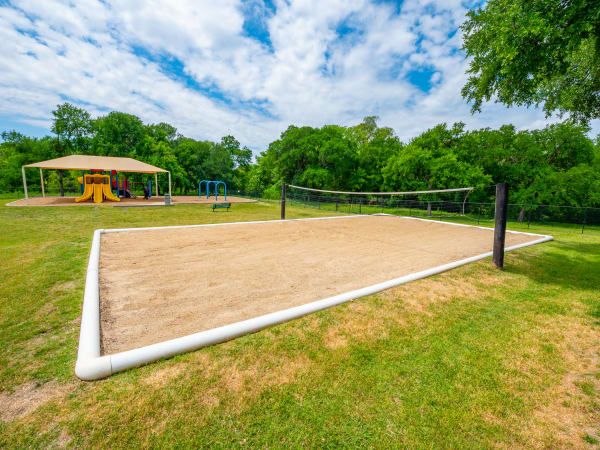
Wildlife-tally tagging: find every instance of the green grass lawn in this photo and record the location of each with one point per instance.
(474, 357)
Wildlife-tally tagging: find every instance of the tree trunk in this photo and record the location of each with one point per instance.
(428, 209)
(60, 183)
(521, 215)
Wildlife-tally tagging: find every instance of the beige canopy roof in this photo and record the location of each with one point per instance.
(89, 162)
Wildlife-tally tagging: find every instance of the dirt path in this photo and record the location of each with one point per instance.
(176, 199)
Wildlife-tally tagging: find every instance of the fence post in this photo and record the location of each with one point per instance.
(478, 214)
(283, 201)
(337, 200)
(500, 224)
(584, 220)
(529, 216)
(360, 206)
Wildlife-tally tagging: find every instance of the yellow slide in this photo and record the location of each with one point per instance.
(108, 193)
(88, 189)
(98, 193)
(97, 186)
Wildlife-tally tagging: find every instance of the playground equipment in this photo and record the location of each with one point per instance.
(216, 184)
(123, 186)
(115, 166)
(96, 186)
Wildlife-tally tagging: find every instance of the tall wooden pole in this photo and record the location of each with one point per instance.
(500, 224)
(156, 182)
(282, 201)
(42, 182)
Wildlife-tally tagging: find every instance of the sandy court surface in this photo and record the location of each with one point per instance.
(163, 284)
(176, 199)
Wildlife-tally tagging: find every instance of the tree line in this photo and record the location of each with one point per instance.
(556, 165)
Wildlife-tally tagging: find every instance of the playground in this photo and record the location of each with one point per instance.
(105, 180)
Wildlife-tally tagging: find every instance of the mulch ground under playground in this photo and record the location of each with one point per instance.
(154, 201)
(162, 284)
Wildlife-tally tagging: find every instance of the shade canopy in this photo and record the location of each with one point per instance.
(89, 162)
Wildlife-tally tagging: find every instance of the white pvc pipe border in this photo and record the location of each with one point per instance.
(92, 366)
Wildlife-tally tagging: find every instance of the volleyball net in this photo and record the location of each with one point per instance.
(426, 203)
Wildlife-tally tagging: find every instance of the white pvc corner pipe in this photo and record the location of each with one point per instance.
(92, 366)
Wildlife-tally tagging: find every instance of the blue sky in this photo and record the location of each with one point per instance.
(249, 68)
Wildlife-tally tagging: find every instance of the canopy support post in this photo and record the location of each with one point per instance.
(25, 184)
(42, 182)
(169, 184)
(156, 182)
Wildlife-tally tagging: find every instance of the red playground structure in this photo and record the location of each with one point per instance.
(123, 186)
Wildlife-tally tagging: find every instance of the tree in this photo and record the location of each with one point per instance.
(121, 134)
(242, 157)
(17, 150)
(429, 162)
(163, 156)
(535, 52)
(162, 132)
(72, 127)
(323, 158)
(374, 147)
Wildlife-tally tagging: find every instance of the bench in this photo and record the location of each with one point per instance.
(220, 205)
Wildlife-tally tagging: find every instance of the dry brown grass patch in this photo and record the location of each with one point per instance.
(165, 375)
(28, 397)
(566, 414)
(66, 286)
(407, 303)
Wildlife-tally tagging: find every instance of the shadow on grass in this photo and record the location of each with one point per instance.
(570, 265)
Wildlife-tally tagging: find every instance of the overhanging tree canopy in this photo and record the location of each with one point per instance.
(535, 52)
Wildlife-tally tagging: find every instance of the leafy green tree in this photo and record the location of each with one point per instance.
(162, 132)
(429, 162)
(564, 145)
(164, 157)
(313, 157)
(218, 164)
(120, 134)
(577, 186)
(374, 146)
(242, 158)
(17, 150)
(190, 154)
(72, 127)
(532, 52)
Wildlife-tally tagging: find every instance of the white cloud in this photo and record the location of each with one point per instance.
(308, 74)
